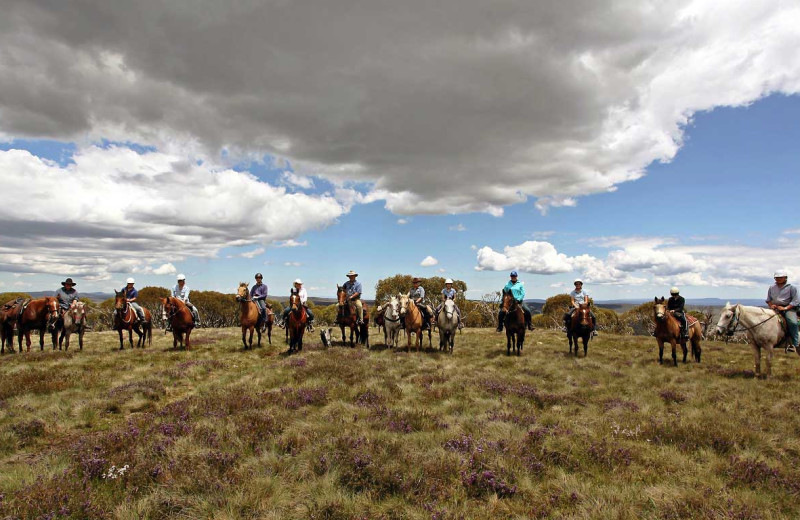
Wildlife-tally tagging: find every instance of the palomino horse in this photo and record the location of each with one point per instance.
(413, 320)
(447, 321)
(296, 326)
(251, 317)
(580, 326)
(40, 314)
(74, 321)
(8, 319)
(514, 323)
(668, 328)
(125, 319)
(180, 319)
(391, 322)
(762, 327)
(346, 316)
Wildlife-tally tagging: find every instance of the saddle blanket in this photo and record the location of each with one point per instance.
(690, 320)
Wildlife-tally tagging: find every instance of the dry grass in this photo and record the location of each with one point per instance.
(218, 432)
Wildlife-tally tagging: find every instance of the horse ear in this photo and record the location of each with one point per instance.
(655, 299)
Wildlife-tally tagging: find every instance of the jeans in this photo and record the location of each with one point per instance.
(138, 309)
(791, 324)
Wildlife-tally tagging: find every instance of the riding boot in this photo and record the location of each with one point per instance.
(500, 318)
(310, 327)
(528, 323)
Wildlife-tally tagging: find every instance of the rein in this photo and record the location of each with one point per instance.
(125, 308)
(730, 331)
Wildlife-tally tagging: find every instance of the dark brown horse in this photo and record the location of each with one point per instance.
(580, 326)
(8, 320)
(296, 326)
(668, 328)
(514, 323)
(180, 319)
(380, 320)
(125, 319)
(74, 321)
(347, 316)
(251, 318)
(40, 314)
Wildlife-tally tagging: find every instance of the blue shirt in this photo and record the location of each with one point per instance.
(580, 297)
(352, 287)
(130, 293)
(259, 291)
(417, 293)
(181, 294)
(786, 295)
(451, 294)
(516, 289)
(65, 297)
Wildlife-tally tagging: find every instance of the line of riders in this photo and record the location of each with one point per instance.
(782, 297)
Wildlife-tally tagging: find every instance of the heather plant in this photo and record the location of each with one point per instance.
(351, 433)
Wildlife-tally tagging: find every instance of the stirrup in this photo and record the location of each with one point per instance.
(310, 327)
(790, 348)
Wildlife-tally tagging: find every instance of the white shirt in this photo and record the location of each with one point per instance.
(181, 294)
(301, 293)
(580, 297)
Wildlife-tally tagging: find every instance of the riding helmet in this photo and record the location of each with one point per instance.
(674, 290)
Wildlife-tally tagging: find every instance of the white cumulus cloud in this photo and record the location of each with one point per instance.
(428, 261)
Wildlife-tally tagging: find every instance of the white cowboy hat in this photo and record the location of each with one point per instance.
(130, 280)
(448, 281)
(674, 290)
(352, 273)
(181, 277)
(780, 273)
(299, 281)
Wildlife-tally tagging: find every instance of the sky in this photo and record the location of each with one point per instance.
(633, 145)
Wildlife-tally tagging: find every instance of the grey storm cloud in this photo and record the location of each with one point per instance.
(447, 106)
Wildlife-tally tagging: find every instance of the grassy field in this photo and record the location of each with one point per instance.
(343, 433)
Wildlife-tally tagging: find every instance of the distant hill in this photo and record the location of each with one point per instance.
(94, 296)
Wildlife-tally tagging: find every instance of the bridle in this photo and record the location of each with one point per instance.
(395, 312)
(731, 329)
(123, 312)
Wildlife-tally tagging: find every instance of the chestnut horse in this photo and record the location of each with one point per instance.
(668, 328)
(125, 319)
(74, 321)
(296, 326)
(514, 323)
(180, 319)
(8, 320)
(40, 314)
(347, 316)
(413, 320)
(580, 326)
(251, 318)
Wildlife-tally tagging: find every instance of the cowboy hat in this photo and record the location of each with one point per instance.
(415, 280)
(68, 281)
(352, 273)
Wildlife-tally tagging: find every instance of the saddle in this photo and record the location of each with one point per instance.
(690, 320)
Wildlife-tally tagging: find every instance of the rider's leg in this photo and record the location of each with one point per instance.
(458, 313)
(567, 319)
(594, 323)
(310, 318)
(286, 312)
(139, 310)
(501, 316)
(684, 328)
(360, 311)
(791, 324)
(195, 313)
(527, 312)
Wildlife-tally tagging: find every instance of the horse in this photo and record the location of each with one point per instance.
(125, 319)
(380, 319)
(580, 326)
(346, 316)
(74, 321)
(762, 327)
(40, 314)
(413, 320)
(251, 318)
(447, 321)
(180, 319)
(296, 326)
(8, 320)
(391, 322)
(514, 323)
(668, 328)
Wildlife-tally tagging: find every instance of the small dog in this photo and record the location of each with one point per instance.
(325, 335)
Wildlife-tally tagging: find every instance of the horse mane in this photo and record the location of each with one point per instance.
(242, 284)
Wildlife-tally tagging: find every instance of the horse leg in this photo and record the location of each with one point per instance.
(685, 350)
(269, 333)
(696, 347)
(175, 338)
(65, 338)
(244, 336)
(674, 351)
(769, 361)
(188, 333)
(757, 359)
(585, 346)
(258, 331)
(80, 339)
(508, 342)
(660, 351)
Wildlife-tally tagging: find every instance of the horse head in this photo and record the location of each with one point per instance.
(341, 295)
(584, 315)
(509, 302)
(120, 302)
(242, 293)
(392, 311)
(728, 319)
(77, 312)
(449, 307)
(294, 302)
(405, 302)
(51, 306)
(660, 309)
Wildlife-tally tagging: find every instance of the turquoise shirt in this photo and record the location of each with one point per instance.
(516, 289)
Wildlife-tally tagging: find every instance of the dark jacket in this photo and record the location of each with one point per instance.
(676, 303)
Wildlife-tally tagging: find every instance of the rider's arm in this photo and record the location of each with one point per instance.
(354, 295)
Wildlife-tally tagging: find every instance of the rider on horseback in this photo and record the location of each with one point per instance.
(448, 293)
(181, 292)
(782, 298)
(517, 290)
(258, 293)
(131, 295)
(417, 295)
(675, 305)
(578, 297)
(353, 290)
(65, 296)
(300, 291)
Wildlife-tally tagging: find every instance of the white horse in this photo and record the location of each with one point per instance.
(447, 321)
(762, 327)
(74, 321)
(391, 323)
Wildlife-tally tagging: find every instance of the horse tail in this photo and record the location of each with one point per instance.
(149, 332)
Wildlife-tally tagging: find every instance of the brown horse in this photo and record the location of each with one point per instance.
(296, 326)
(74, 320)
(514, 323)
(580, 326)
(380, 320)
(125, 319)
(668, 328)
(40, 314)
(180, 319)
(413, 321)
(347, 316)
(251, 318)
(8, 320)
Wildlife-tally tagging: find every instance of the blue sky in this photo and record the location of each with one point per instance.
(635, 149)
